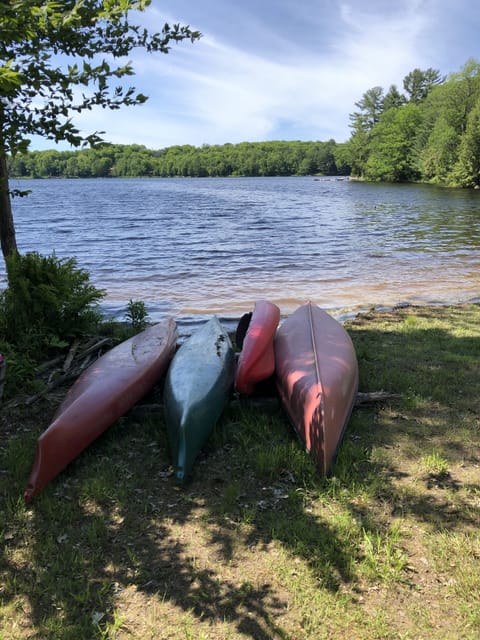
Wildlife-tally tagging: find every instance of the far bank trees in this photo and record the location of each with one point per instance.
(430, 133)
(273, 158)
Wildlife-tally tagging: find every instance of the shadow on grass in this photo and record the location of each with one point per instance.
(116, 520)
(436, 372)
(115, 526)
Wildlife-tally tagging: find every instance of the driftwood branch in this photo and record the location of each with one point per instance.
(95, 347)
(70, 355)
(140, 411)
(57, 382)
(73, 365)
(375, 396)
(90, 347)
(50, 364)
(362, 399)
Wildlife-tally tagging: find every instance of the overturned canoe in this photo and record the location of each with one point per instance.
(104, 392)
(257, 361)
(317, 378)
(198, 383)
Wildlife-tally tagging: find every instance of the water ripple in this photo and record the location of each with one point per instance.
(193, 247)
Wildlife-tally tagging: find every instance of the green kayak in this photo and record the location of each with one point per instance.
(197, 386)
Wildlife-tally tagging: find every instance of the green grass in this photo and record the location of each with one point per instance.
(435, 463)
(257, 545)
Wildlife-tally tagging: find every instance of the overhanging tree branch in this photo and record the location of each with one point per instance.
(47, 51)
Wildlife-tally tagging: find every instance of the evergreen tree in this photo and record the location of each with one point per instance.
(418, 84)
(371, 106)
(393, 98)
(467, 170)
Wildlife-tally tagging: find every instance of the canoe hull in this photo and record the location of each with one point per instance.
(197, 386)
(102, 394)
(317, 379)
(257, 360)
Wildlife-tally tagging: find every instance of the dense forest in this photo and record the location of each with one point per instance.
(245, 159)
(430, 132)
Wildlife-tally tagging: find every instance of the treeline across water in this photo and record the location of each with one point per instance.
(273, 158)
(429, 131)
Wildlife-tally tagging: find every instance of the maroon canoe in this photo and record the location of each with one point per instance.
(104, 392)
(317, 379)
(257, 361)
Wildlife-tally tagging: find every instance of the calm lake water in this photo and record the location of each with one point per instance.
(194, 247)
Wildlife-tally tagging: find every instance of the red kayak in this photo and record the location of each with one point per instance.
(317, 379)
(257, 360)
(104, 392)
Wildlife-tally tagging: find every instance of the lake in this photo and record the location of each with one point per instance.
(198, 246)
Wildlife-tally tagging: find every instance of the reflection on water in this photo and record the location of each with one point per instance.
(193, 247)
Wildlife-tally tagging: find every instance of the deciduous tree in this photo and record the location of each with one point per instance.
(392, 146)
(440, 152)
(58, 59)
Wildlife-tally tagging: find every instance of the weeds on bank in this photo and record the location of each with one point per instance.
(137, 315)
(257, 545)
(435, 463)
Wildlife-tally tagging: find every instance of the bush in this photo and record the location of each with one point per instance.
(48, 302)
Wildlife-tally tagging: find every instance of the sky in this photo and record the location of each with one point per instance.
(280, 69)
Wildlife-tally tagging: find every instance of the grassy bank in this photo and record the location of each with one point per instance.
(257, 546)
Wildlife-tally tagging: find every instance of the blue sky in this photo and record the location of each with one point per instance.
(281, 69)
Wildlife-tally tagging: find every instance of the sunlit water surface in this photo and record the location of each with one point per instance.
(195, 247)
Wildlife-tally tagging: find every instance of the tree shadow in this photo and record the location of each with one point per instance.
(115, 520)
(129, 535)
(435, 373)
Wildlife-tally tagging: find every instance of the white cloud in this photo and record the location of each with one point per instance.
(293, 70)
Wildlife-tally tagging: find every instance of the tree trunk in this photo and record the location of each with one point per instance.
(7, 229)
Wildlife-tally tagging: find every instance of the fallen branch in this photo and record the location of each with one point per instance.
(74, 364)
(95, 347)
(139, 411)
(375, 396)
(92, 346)
(70, 356)
(269, 401)
(50, 364)
(57, 382)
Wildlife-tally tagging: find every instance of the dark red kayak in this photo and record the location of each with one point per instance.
(317, 378)
(104, 392)
(257, 361)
